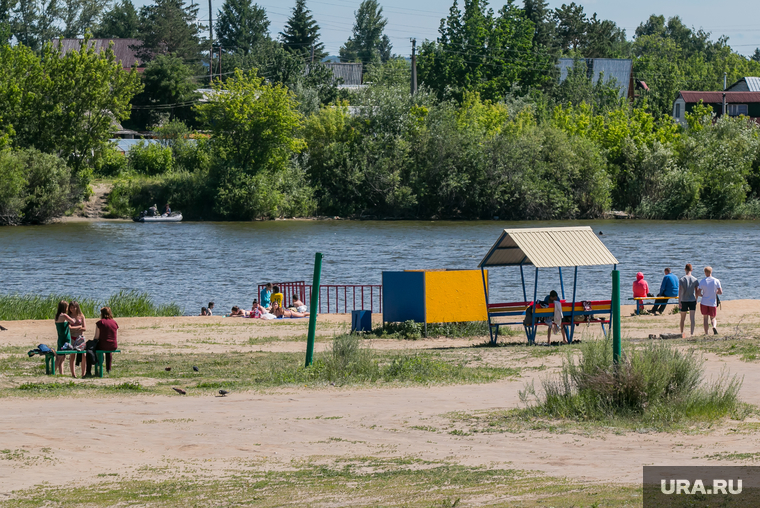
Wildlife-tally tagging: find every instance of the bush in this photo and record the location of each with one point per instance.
(656, 383)
(151, 159)
(13, 176)
(110, 162)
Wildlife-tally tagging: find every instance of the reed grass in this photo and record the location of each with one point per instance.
(123, 304)
(656, 385)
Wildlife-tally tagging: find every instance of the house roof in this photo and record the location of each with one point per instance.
(717, 97)
(548, 248)
(350, 72)
(121, 48)
(617, 68)
(750, 83)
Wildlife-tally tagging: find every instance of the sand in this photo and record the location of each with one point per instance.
(72, 439)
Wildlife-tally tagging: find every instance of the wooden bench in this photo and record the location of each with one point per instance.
(498, 311)
(660, 300)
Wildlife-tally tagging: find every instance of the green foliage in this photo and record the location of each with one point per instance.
(654, 384)
(150, 159)
(110, 163)
(168, 93)
(123, 304)
(301, 34)
(170, 27)
(476, 51)
(241, 26)
(36, 187)
(120, 22)
(367, 44)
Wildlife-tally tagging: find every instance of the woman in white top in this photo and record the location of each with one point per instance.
(556, 320)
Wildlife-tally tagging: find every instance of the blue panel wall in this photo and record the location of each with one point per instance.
(404, 296)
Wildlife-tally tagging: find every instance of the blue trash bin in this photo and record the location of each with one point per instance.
(361, 321)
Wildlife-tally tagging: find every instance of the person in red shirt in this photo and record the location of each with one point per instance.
(105, 334)
(640, 289)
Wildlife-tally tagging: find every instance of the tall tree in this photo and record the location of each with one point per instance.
(367, 44)
(571, 26)
(482, 51)
(6, 11)
(121, 22)
(80, 15)
(756, 55)
(170, 26)
(301, 33)
(169, 85)
(540, 14)
(604, 39)
(241, 25)
(36, 22)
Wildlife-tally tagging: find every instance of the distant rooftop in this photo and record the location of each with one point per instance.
(746, 84)
(121, 48)
(617, 68)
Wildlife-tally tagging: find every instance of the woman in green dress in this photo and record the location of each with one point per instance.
(62, 323)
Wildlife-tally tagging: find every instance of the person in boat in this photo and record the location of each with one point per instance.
(167, 210)
(286, 313)
(153, 211)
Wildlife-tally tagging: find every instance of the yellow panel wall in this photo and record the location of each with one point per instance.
(454, 296)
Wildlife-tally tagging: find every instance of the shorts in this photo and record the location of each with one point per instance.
(708, 311)
(687, 306)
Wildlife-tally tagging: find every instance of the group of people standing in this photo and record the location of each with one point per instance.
(688, 289)
(71, 325)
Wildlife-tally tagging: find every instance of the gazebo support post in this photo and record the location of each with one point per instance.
(488, 314)
(561, 283)
(533, 326)
(572, 311)
(522, 276)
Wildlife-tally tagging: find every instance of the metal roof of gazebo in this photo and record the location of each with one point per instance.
(548, 248)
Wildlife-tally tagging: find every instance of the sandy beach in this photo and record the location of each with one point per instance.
(61, 439)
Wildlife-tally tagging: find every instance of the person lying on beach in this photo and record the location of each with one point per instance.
(286, 313)
(298, 304)
(257, 310)
(238, 312)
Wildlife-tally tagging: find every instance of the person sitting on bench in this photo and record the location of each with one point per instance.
(556, 319)
(105, 338)
(669, 288)
(640, 290)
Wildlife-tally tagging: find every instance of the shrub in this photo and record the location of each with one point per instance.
(655, 383)
(110, 162)
(13, 176)
(151, 159)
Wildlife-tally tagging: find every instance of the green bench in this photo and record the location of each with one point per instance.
(99, 356)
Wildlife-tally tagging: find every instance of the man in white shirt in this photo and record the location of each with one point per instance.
(709, 289)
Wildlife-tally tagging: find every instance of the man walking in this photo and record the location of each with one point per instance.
(669, 288)
(687, 297)
(709, 289)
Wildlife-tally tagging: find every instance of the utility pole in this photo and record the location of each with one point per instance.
(211, 41)
(414, 66)
(724, 104)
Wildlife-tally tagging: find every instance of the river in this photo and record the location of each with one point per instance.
(194, 262)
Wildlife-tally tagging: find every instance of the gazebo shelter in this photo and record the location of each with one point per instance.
(543, 248)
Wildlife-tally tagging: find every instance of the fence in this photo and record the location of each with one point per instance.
(335, 298)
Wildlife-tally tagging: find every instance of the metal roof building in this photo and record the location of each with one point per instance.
(548, 248)
(122, 49)
(737, 103)
(617, 68)
(350, 73)
(746, 84)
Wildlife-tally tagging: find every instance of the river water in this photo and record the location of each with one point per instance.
(192, 263)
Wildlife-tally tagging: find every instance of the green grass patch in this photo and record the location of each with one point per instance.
(123, 304)
(348, 362)
(655, 386)
(366, 481)
(410, 330)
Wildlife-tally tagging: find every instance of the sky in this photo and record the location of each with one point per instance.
(421, 19)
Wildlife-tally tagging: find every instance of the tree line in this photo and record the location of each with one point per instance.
(491, 132)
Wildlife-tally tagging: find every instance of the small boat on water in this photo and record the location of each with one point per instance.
(172, 217)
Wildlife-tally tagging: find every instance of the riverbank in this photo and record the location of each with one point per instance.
(121, 442)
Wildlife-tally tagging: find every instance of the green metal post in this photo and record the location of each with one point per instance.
(616, 346)
(314, 309)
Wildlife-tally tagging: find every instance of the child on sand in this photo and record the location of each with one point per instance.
(205, 312)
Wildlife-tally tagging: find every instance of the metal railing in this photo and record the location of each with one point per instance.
(335, 298)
